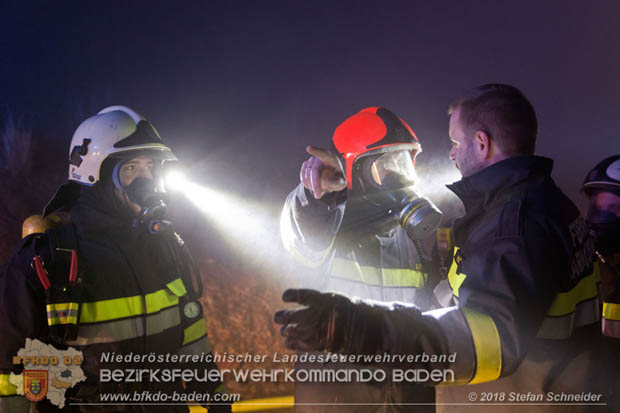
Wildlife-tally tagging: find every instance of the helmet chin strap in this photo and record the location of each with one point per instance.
(119, 187)
(115, 176)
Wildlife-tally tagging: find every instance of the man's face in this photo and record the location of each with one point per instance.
(604, 221)
(461, 152)
(141, 166)
(138, 167)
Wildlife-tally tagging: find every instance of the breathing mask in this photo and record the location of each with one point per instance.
(605, 228)
(382, 196)
(145, 191)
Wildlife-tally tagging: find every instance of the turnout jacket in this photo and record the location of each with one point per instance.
(521, 311)
(131, 296)
(381, 267)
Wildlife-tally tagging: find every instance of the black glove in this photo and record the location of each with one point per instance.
(333, 322)
(321, 325)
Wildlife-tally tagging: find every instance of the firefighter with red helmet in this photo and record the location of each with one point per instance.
(602, 186)
(356, 218)
(523, 315)
(115, 278)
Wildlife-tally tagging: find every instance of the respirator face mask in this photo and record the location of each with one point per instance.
(383, 197)
(605, 228)
(603, 220)
(147, 193)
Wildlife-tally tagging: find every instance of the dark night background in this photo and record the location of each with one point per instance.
(239, 88)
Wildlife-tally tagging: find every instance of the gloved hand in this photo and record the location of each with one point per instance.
(333, 322)
(322, 172)
(321, 325)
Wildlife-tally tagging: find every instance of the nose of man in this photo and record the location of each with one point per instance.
(145, 173)
(452, 155)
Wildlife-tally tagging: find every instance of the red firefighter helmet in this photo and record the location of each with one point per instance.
(372, 131)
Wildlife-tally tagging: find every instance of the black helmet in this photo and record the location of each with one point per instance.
(605, 175)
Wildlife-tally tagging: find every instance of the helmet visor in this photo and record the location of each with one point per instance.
(393, 169)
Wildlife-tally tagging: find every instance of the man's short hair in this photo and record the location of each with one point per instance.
(503, 113)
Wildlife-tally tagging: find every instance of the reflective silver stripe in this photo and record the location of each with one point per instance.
(197, 347)
(588, 312)
(611, 328)
(56, 317)
(404, 294)
(443, 294)
(62, 313)
(560, 328)
(119, 330)
(455, 328)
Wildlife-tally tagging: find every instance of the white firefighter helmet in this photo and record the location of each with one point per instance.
(116, 131)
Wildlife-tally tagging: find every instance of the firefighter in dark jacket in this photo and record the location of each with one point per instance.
(111, 277)
(602, 186)
(522, 310)
(343, 221)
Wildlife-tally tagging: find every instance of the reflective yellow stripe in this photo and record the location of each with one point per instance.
(389, 277)
(62, 320)
(399, 277)
(132, 306)
(487, 345)
(177, 287)
(259, 405)
(611, 311)
(565, 303)
(62, 306)
(406, 217)
(455, 279)
(62, 313)
(194, 331)
(6, 388)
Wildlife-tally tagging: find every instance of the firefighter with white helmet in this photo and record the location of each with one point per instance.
(110, 275)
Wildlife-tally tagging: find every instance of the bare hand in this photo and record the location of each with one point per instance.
(322, 172)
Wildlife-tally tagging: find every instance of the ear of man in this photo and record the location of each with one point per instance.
(482, 145)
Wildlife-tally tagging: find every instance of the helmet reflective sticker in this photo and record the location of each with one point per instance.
(613, 171)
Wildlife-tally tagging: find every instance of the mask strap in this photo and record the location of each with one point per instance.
(115, 176)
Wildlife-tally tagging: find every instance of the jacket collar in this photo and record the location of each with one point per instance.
(478, 189)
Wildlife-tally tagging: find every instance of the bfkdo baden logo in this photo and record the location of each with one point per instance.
(47, 372)
(36, 384)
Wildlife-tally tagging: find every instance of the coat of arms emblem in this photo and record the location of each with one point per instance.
(35, 384)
